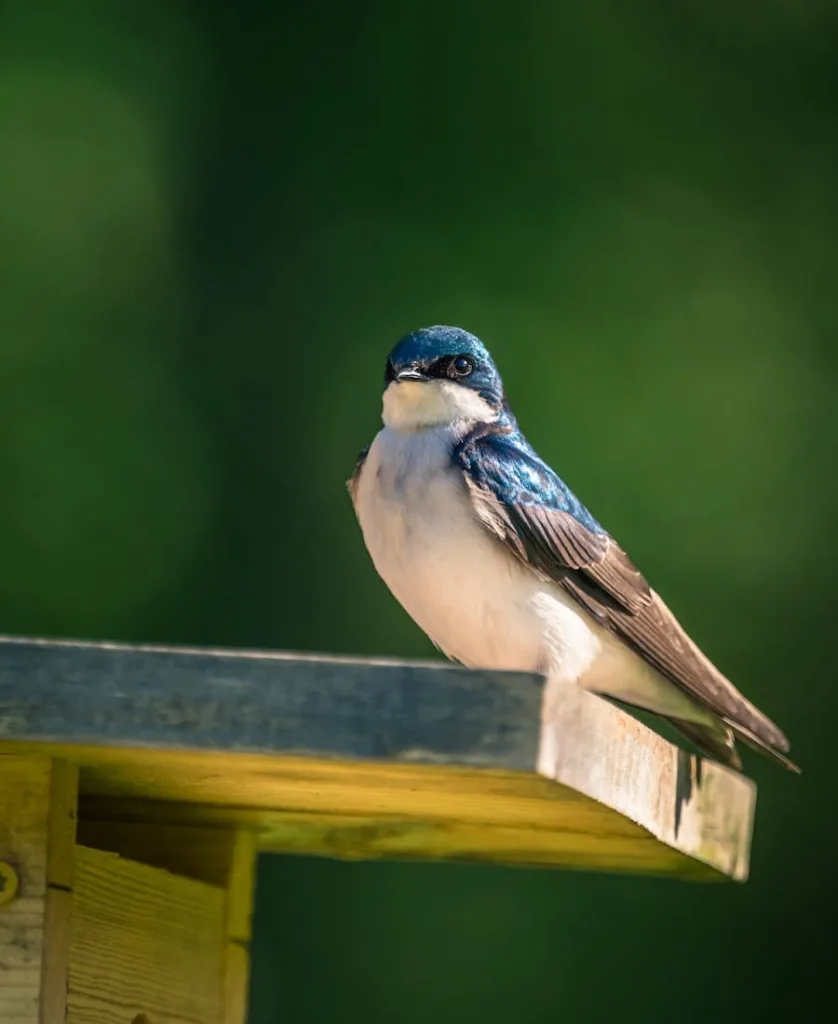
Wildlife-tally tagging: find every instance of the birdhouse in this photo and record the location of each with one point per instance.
(138, 785)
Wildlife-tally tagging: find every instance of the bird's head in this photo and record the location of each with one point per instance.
(441, 375)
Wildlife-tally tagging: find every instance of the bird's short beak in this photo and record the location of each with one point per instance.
(411, 373)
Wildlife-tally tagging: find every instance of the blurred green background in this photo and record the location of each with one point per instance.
(214, 222)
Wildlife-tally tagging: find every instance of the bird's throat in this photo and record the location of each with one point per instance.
(416, 405)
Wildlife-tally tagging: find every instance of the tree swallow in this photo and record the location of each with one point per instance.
(496, 559)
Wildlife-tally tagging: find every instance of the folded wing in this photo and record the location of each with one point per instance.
(530, 510)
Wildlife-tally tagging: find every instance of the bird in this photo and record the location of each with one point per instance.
(495, 558)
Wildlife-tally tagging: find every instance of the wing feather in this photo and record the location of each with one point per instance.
(352, 482)
(519, 498)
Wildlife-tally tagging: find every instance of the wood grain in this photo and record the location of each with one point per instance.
(145, 943)
(37, 828)
(228, 700)
(358, 809)
(224, 857)
(354, 758)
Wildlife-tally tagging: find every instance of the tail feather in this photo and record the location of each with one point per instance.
(755, 743)
(715, 741)
(719, 742)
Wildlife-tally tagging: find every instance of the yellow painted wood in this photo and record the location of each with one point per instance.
(550, 823)
(394, 839)
(58, 925)
(235, 967)
(364, 837)
(236, 983)
(145, 943)
(362, 809)
(37, 829)
(220, 856)
(231, 782)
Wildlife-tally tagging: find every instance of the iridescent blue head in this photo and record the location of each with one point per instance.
(440, 375)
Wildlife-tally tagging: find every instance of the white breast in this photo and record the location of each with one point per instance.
(475, 601)
(473, 598)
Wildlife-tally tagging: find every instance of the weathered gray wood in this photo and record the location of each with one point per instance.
(293, 704)
(371, 758)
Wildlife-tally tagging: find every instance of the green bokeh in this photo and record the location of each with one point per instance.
(214, 221)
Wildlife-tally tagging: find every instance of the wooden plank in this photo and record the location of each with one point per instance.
(224, 857)
(690, 804)
(235, 968)
(146, 943)
(37, 829)
(351, 758)
(228, 700)
(357, 809)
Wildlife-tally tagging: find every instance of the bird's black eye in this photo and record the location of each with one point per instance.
(389, 372)
(461, 366)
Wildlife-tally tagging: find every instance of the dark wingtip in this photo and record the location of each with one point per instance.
(775, 753)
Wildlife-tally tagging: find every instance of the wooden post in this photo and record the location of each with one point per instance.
(235, 969)
(37, 833)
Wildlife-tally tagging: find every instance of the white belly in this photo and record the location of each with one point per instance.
(478, 603)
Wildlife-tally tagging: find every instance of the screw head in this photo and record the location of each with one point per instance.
(8, 883)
